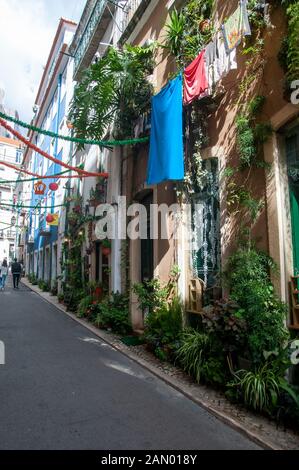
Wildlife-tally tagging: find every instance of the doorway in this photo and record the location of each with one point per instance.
(147, 245)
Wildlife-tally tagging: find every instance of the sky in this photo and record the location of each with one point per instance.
(27, 30)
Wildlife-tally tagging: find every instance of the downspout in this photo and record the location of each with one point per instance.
(55, 155)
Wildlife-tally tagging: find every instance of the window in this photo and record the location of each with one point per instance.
(19, 155)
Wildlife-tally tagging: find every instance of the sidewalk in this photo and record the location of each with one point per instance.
(258, 428)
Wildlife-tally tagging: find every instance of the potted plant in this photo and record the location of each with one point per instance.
(204, 25)
(106, 247)
(98, 291)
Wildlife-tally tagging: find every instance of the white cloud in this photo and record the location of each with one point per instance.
(27, 29)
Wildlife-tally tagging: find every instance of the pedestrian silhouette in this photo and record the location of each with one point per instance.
(4, 273)
(16, 270)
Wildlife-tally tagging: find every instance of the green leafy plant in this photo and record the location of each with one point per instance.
(225, 320)
(192, 352)
(292, 42)
(106, 243)
(114, 313)
(184, 34)
(84, 305)
(54, 288)
(114, 90)
(248, 277)
(163, 327)
(175, 30)
(245, 140)
(151, 295)
(44, 286)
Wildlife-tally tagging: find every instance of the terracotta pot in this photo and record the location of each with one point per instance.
(106, 251)
(98, 292)
(204, 25)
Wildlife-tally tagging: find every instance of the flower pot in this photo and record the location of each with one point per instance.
(204, 25)
(98, 291)
(106, 251)
(93, 202)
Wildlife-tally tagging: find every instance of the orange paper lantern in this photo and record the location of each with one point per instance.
(40, 188)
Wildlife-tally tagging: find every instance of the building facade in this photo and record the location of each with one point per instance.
(263, 199)
(43, 241)
(11, 152)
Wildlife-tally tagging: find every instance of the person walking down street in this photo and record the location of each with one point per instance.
(4, 273)
(16, 270)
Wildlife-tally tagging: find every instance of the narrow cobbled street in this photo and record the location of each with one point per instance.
(63, 388)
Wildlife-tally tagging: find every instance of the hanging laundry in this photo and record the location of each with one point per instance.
(210, 58)
(236, 27)
(166, 159)
(196, 82)
(225, 61)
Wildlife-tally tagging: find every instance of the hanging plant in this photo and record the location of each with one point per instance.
(106, 247)
(188, 30)
(114, 90)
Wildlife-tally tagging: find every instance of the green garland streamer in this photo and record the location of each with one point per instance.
(101, 143)
(20, 206)
(31, 179)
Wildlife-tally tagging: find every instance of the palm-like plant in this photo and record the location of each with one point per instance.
(175, 32)
(113, 90)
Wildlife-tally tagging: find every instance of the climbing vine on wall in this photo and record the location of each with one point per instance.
(290, 46)
(189, 30)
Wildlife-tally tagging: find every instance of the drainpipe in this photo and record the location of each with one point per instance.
(55, 155)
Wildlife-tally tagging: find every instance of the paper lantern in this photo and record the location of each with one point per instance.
(53, 186)
(40, 188)
(50, 218)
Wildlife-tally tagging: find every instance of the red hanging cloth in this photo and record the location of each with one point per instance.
(195, 79)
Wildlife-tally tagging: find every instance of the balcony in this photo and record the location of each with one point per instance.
(21, 240)
(10, 234)
(134, 10)
(93, 28)
(30, 240)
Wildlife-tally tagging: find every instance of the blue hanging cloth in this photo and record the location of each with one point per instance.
(166, 159)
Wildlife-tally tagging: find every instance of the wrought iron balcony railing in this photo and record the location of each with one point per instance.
(92, 34)
(133, 11)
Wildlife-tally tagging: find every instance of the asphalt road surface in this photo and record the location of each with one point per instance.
(62, 388)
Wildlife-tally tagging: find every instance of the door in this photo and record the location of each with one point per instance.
(147, 245)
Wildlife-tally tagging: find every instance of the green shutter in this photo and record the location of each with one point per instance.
(292, 153)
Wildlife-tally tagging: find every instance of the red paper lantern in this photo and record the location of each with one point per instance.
(53, 186)
(49, 218)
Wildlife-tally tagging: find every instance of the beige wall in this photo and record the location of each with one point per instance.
(272, 228)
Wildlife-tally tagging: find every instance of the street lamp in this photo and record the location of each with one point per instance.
(13, 220)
